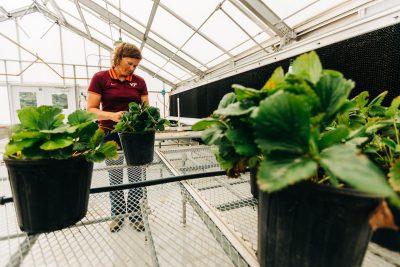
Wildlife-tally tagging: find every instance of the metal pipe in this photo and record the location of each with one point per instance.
(4, 200)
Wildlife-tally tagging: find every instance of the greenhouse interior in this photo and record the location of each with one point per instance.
(200, 133)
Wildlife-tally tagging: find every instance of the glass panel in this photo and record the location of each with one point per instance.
(175, 70)
(311, 11)
(232, 34)
(74, 21)
(201, 49)
(153, 57)
(8, 28)
(27, 99)
(60, 100)
(43, 41)
(168, 26)
(217, 60)
(4, 106)
(196, 12)
(11, 5)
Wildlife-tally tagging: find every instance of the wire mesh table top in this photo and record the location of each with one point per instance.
(199, 222)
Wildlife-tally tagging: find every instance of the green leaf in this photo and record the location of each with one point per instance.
(243, 141)
(243, 92)
(389, 143)
(394, 108)
(56, 143)
(277, 78)
(274, 175)
(212, 135)
(333, 91)
(26, 135)
(361, 99)
(347, 164)
(64, 128)
(234, 109)
(13, 147)
(80, 116)
(332, 137)
(97, 138)
(226, 100)
(206, 123)
(394, 176)
(109, 150)
(29, 117)
(49, 117)
(308, 66)
(377, 101)
(282, 122)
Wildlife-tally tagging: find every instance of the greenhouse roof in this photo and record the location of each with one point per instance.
(183, 42)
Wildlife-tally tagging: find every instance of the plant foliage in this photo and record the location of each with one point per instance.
(300, 126)
(42, 134)
(140, 118)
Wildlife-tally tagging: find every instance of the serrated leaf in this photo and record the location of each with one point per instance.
(243, 141)
(243, 93)
(64, 128)
(50, 117)
(212, 135)
(26, 135)
(97, 138)
(109, 149)
(13, 147)
(332, 137)
(234, 109)
(389, 143)
(333, 91)
(278, 77)
(274, 175)
(361, 99)
(378, 100)
(56, 143)
(282, 122)
(29, 117)
(226, 100)
(346, 163)
(206, 123)
(308, 66)
(394, 176)
(80, 116)
(394, 108)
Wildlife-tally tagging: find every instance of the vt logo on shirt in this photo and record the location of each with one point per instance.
(133, 84)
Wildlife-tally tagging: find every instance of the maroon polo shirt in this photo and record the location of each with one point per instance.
(116, 95)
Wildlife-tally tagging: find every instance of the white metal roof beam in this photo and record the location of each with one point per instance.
(266, 15)
(252, 17)
(19, 12)
(128, 28)
(57, 9)
(78, 7)
(149, 22)
(194, 29)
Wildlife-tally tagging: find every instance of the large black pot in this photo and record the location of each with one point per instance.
(49, 194)
(313, 225)
(138, 147)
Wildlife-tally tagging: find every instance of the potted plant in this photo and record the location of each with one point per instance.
(309, 213)
(136, 130)
(230, 132)
(50, 165)
(375, 129)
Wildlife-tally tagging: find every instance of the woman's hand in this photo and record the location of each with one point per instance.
(116, 116)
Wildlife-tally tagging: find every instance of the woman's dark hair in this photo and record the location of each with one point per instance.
(125, 50)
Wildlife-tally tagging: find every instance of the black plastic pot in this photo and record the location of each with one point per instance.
(253, 183)
(313, 225)
(49, 194)
(138, 147)
(388, 238)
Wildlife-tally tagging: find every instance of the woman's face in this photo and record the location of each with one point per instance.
(127, 66)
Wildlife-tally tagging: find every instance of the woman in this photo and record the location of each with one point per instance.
(114, 89)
